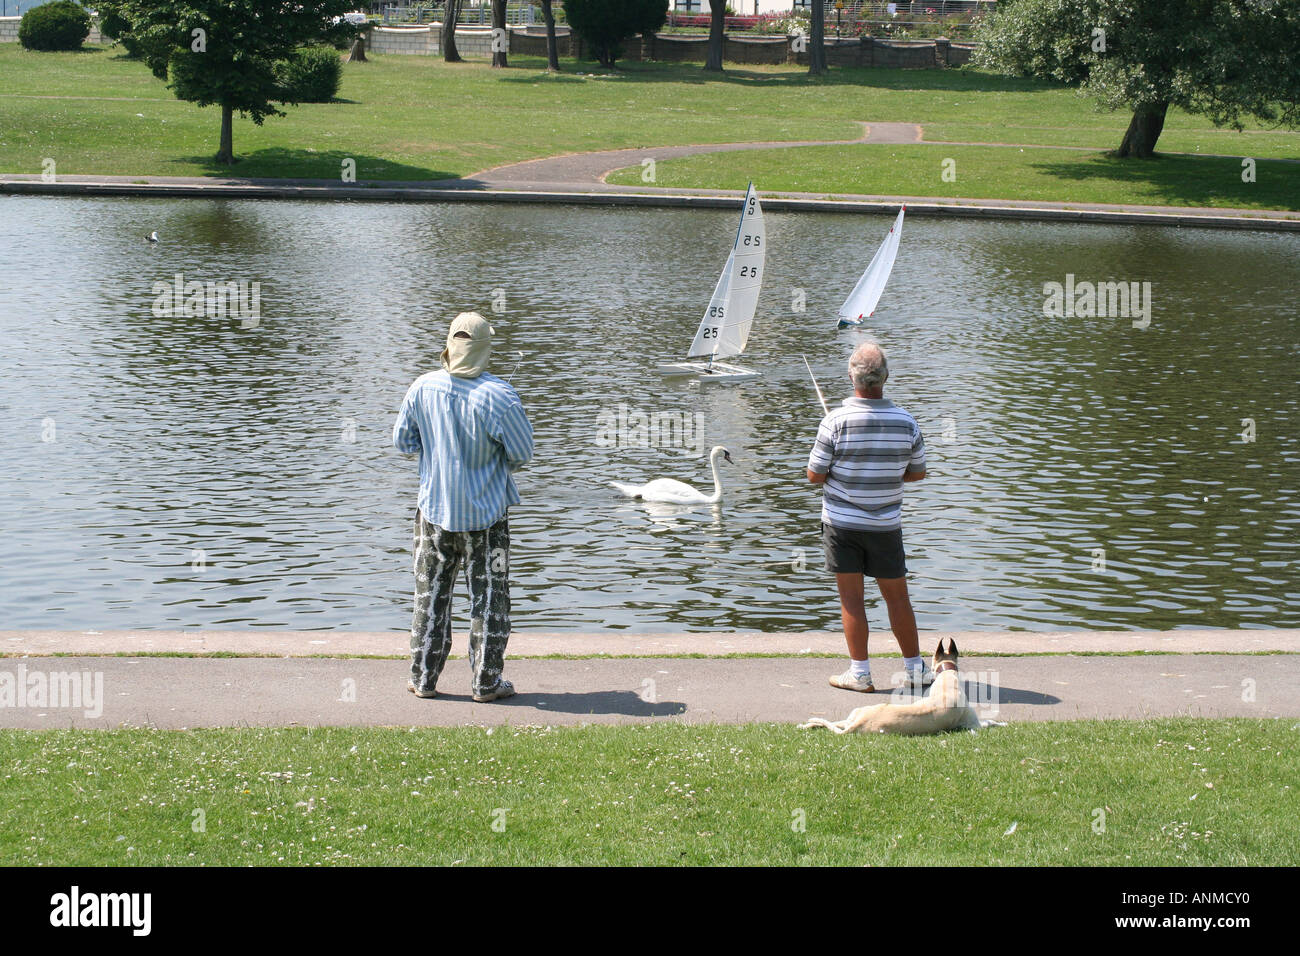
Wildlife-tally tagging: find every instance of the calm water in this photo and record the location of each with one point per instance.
(132, 441)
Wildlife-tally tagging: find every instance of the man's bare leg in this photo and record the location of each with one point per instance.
(853, 613)
(902, 620)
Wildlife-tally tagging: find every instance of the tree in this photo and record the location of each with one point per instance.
(229, 53)
(605, 24)
(817, 39)
(717, 35)
(1221, 58)
(500, 40)
(450, 14)
(358, 52)
(552, 51)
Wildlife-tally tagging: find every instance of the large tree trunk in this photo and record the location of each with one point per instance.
(817, 40)
(450, 15)
(226, 152)
(1143, 131)
(358, 52)
(552, 53)
(717, 35)
(498, 23)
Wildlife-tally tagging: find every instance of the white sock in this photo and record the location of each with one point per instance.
(912, 663)
(860, 668)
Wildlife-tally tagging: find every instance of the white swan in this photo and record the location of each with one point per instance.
(152, 237)
(674, 492)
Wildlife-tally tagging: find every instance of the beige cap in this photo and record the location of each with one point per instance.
(469, 346)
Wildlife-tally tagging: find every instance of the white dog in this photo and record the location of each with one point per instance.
(944, 708)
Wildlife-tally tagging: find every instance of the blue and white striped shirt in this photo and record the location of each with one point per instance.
(864, 447)
(470, 434)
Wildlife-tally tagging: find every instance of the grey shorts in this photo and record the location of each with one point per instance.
(877, 554)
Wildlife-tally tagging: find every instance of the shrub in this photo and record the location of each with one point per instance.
(605, 24)
(61, 25)
(312, 76)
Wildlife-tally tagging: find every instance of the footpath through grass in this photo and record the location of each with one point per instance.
(1166, 792)
(415, 117)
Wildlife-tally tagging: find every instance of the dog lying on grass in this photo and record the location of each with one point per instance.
(944, 708)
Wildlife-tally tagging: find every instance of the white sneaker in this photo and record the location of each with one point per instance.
(921, 676)
(847, 681)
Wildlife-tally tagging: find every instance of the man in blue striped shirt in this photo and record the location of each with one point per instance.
(471, 433)
(865, 450)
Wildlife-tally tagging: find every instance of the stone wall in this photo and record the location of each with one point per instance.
(893, 54)
(531, 42)
(470, 41)
(9, 30)
(419, 40)
(857, 52)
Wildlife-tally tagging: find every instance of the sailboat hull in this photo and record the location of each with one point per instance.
(716, 372)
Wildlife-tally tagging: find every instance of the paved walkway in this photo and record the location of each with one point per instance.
(268, 643)
(178, 693)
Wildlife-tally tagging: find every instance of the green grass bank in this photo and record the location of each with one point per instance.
(417, 118)
(1180, 792)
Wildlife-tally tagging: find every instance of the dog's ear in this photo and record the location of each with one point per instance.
(952, 647)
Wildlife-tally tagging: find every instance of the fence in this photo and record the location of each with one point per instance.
(471, 14)
(925, 19)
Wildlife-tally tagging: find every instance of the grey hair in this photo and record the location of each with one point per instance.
(868, 366)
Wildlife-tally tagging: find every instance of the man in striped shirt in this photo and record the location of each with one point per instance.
(865, 450)
(470, 431)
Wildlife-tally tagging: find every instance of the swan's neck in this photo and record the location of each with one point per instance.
(717, 482)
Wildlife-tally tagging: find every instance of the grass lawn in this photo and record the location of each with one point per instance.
(413, 117)
(987, 171)
(1169, 792)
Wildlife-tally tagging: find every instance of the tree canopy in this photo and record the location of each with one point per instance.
(1225, 59)
(230, 53)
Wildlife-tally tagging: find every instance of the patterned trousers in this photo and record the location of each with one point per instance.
(439, 556)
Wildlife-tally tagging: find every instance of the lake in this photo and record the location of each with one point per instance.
(167, 471)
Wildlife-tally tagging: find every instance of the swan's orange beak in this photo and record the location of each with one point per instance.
(727, 456)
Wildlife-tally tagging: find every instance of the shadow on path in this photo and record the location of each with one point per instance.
(624, 702)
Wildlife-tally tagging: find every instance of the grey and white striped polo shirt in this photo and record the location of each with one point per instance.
(864, 447)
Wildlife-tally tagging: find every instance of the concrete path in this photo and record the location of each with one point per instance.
(268, 643)
(505, 190)
(590, 169)
(178, 693)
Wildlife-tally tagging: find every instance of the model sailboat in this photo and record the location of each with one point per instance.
(861, 302)
(724, 330)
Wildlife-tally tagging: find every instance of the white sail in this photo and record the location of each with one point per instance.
(724, 330)
(862, 300)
